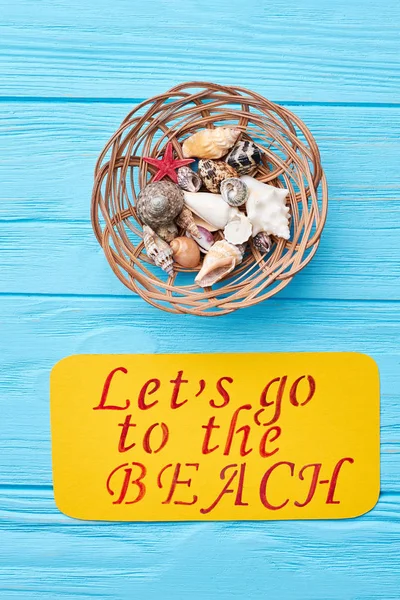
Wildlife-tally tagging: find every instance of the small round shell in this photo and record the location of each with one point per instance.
(244, 157)
(262, 241)
(234, 191)
(188, 180)
(186, 252)
(238, 230)
(159, 203)
(213, 172)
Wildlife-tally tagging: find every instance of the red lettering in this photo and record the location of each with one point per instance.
(146, 438)
(176, 481)
(293, 391)
(175, 392)
(278, 400)
(313, 485)
(106, 387)
(124, 434)
(275, 433)
(223, 392)
(232, 432)
(227, 490)
(264, 483)
(127, 481)
(209, 427)
(142, 394)
(335, 475)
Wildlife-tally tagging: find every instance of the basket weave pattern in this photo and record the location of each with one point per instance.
(291, 160)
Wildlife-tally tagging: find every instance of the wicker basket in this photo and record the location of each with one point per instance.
(291, 160)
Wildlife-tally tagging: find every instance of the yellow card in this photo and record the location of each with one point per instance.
(215, 436)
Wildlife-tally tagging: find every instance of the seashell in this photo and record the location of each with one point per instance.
(244, 157)
(167, 232)
(220, 260)
(210, 207)
(213, 172)
(186, 252)
(202, 223)
(262, 242)
(186, 221)
(238, 230)
(210, 143)
(158, 250)
(205, 239)
(234, 191)
(159, 203)
(188, 180)
(266, 208)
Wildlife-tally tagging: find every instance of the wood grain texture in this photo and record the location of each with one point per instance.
(310, 51)
(69, 73)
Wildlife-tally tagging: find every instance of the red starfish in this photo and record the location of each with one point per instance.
(167, 164)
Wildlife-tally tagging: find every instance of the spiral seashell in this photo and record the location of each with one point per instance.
(188, 180)
(234, 191)
(262, 241)
(186, 252)
(213, 172)
(158, 250)
(159, 203)
(266, 208)
(220, 260)
(210, 143)
(245, 156)
(186, 221)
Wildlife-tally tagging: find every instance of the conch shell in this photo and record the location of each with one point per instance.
(210, 143)
(266, 208)
(210, 207)
(186, 252)
(186, 221)
(220, 260)
(213, 172)
(159, 203)
(158, 250)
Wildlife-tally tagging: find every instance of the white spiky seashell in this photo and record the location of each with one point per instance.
(210, 143)
(210, 207)
(220, 260)
(266, 208)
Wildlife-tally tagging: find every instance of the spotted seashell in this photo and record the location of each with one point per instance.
(188, 180)
(220, 260)
(213, 172)
(244, 157)
(158, 250)
(210, 143)
(234, 191)
(262, 242)
(159, 203)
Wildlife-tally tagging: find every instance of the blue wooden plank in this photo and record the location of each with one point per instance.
(48, 153)
(309, 51)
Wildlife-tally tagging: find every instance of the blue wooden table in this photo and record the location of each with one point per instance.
(69, 72)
